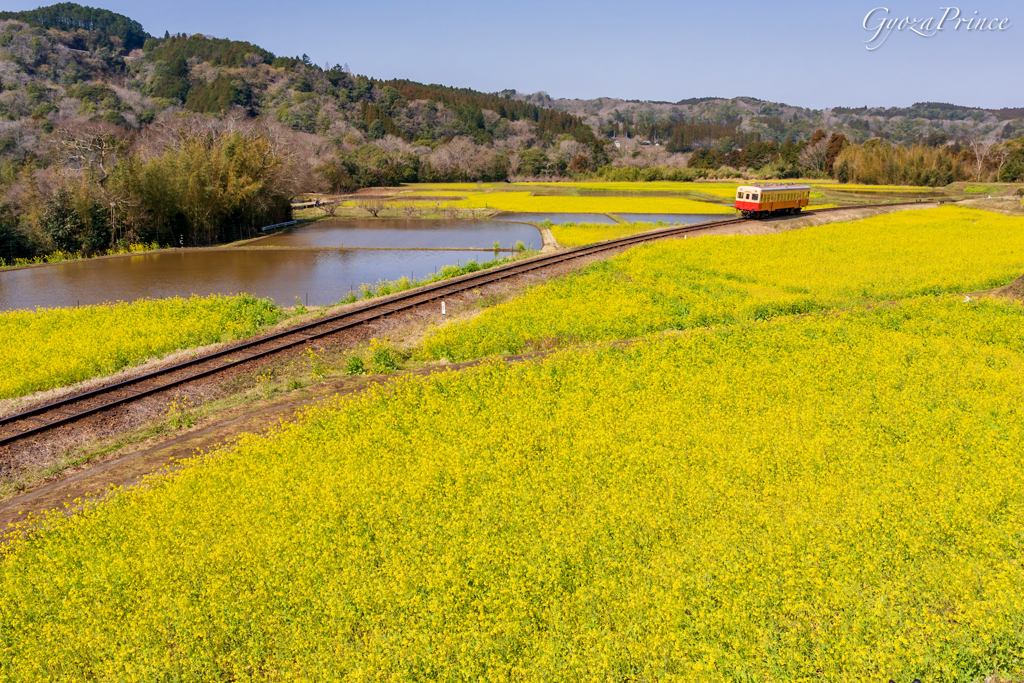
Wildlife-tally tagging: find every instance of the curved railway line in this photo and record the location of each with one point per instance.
(75, 407)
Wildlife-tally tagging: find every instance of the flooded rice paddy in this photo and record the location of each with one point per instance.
(556, 218)
(671, 218)
(397, 233)
(307, 261)
(326, 275)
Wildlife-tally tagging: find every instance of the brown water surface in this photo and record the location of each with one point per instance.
(405, 233)
(326, 275)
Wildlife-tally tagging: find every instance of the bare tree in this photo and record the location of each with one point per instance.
(570, 149)
(513, 161)
(92, 147)
(490, 117)
(454, 156)
(395, 148)
(329, 207)
(1000, 153)
(374, 205)
(980, 149)
(813, 157)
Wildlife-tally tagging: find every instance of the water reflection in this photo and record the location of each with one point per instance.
(556, 218)
(405, 233)
(672, 218)
(325, 275)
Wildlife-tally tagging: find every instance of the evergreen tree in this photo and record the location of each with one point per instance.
(61, 222)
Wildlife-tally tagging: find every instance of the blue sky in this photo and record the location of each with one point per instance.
(810, 54)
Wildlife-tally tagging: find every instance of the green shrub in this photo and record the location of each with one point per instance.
(385, 360)
(355, 366)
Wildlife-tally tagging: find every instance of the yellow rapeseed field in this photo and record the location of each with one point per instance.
(655, 186)
(889, 189)
(832, 498)
(46, 348)
(528, 202)
(578, 234)
(694, 197)
(725, 279)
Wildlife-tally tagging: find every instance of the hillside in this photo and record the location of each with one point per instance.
(67, 66)
(925, 122)
(106, 132)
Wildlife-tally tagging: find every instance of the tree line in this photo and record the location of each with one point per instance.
(873, 162)
(191, 188)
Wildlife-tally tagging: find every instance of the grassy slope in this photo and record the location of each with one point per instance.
(728, 279)
(824, 497)
(759, 502)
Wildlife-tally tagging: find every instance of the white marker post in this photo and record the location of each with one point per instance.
(442, 308)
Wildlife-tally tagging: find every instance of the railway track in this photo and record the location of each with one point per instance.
(36, 420)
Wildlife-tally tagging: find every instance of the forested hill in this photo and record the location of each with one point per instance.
(102, 27)
(67, 65)
(110, 135)
(932, 123)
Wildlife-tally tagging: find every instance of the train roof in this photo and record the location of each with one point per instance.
(783, 186)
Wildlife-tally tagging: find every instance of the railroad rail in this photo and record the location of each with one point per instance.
(75, 407)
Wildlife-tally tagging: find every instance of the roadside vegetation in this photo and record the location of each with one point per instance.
(579, 234)
(386, 287)
(61, 256)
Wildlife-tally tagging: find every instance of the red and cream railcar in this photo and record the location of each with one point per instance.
(758, 201)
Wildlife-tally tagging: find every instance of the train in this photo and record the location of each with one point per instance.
(761, 201)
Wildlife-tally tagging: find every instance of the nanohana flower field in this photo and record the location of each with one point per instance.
(726, 279)
(831, 497)
(53, 347)
(793, 457)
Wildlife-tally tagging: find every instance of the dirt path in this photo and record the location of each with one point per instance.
(129, 467)
(549, 241)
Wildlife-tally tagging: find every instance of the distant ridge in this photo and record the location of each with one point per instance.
(69, 16)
